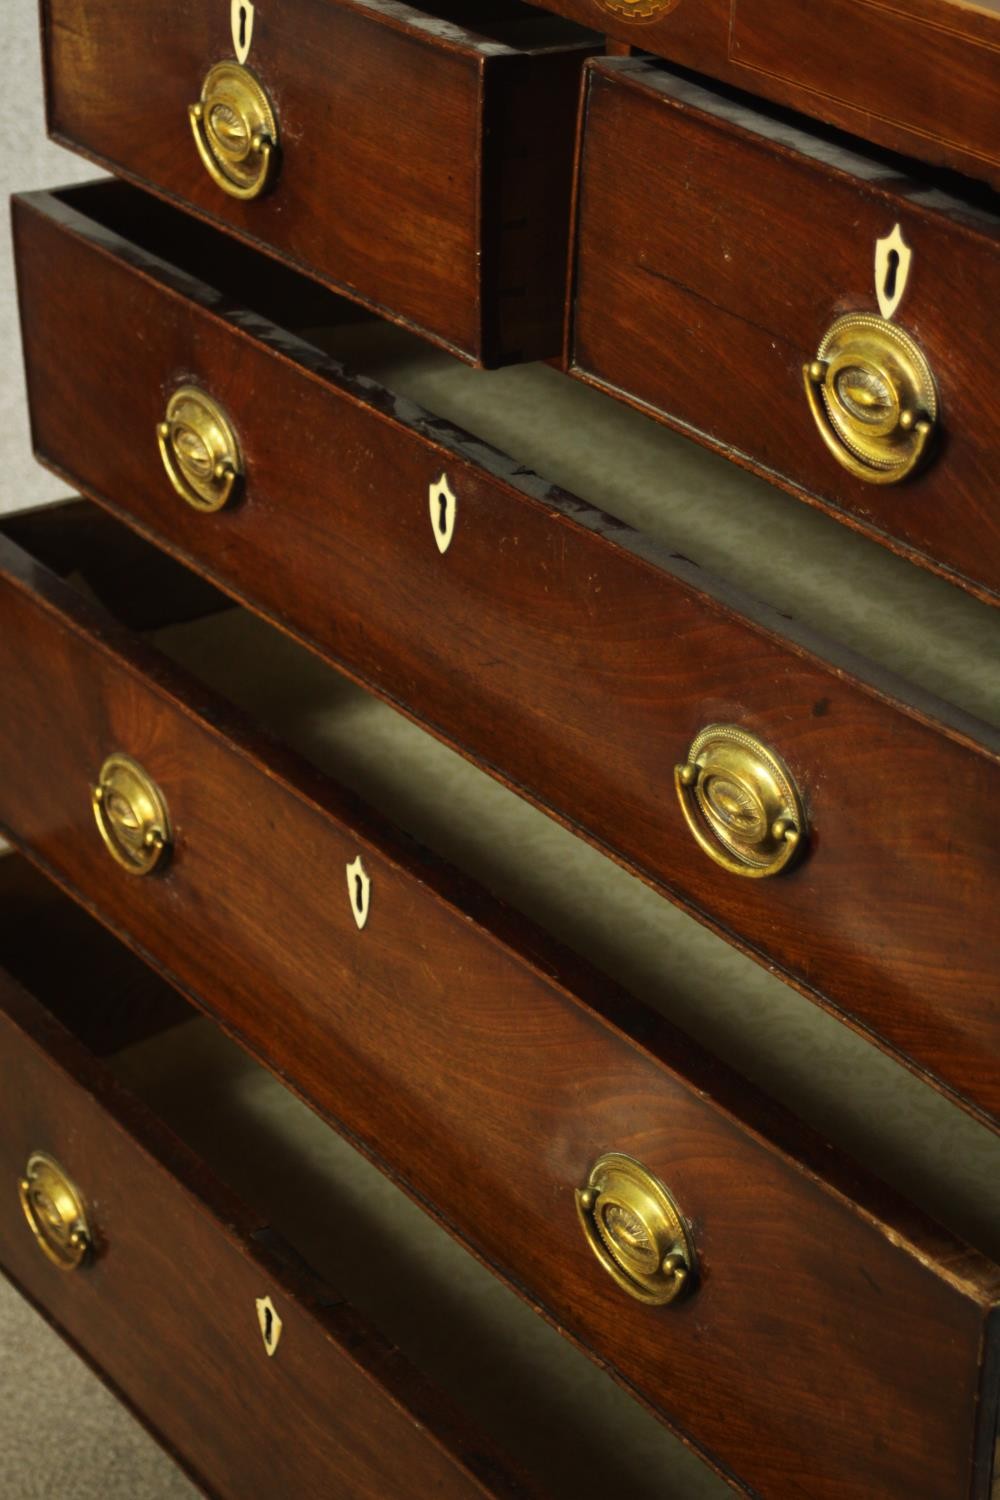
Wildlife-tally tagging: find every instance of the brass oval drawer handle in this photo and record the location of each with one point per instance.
(873, 397)
(131, 815)
(55, 1212)
(634, 1227)
(199, 449)
(740, 802)
(235, 131)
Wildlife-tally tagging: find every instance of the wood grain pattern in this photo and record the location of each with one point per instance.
(405, 179)
(705, 312)
(918, 76)
(576, 661)
(487, 1069)
(165, 1311)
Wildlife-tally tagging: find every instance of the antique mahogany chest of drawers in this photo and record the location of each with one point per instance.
(499, 959)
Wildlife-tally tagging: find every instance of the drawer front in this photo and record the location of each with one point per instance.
(918, 76)
(579, 662)
(708, 311)
(489, 1071)
(165, 1305)
(449, 152)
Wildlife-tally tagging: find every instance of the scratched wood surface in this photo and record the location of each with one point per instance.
(487, 1068)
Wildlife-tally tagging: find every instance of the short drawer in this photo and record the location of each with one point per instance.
(253, 1372)
(567, 653)
(491, 1071)
(421, 161)
(790, 304)
(919, 77)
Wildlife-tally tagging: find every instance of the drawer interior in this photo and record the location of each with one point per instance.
(854, 1095)
(697, 504)
(546, 1404)
(742, 531)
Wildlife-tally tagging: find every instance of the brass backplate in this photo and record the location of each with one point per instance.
(638, 11)
(635, 1230)
(55, 1212)
(873, 398)
(199, 449)
(131, 815)
(235, 131)
(740, 802)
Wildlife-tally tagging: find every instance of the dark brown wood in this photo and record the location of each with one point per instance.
(917, 76)
(577, 666)
(705, 311)
(52, 948)
(487, 1069)
(145, 587)
(426, 156)
(165, 1310)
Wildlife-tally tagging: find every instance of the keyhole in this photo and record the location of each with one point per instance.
(270, 1325)
(891, 272)
(359, 892)
(243, 27)
(443, 514)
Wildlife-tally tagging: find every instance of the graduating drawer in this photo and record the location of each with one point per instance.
(492, 1072)
(795, 306)
(421, 161)
(564, 651)
(519, 1393)
(254, 1373)
(918, 76)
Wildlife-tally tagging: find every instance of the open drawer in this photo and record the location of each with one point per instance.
(843, 363)
(259, 1377)
(417, 160)
(488, 1069)
(170, 1132)
(574, 656)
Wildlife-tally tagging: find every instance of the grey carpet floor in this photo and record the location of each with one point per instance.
(61, 1432)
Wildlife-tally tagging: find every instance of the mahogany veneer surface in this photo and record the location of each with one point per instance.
(165, 1307)
(918, 76)
(705, 311)
(836, 1343)
(568, 654)
(425, 165)
(487, 1069)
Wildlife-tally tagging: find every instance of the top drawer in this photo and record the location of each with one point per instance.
(445, 143)
(795, 305)
(919, 76)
